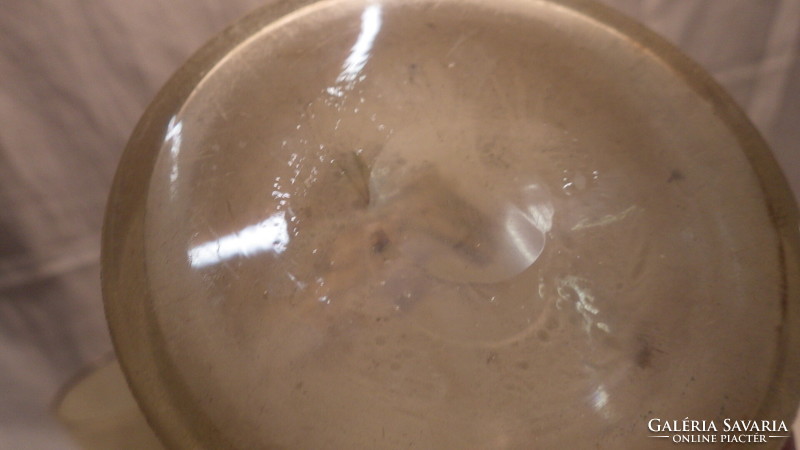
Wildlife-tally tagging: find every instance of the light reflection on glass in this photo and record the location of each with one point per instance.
(535, 212)
(527, 243)
(359, 53)
(540, 214)
(605, 220)
(572, 289)
(173, 137)
(526, 223)
(270, 235)
(599, 400)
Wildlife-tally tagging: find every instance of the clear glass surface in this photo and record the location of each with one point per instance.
(448, 225)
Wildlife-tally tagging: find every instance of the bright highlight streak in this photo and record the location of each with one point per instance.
(599, 400)
(173, 136)
(270, 235)
(519, 220)
(359, 54)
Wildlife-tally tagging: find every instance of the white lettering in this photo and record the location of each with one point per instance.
(726, 426)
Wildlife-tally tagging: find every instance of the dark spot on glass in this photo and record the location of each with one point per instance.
(380, 240)
(543, 335)
(644, 355)
(675, 175)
